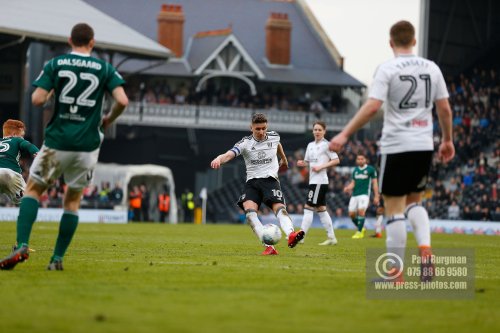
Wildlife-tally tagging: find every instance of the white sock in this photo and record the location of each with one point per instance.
(254, 222)
(396, 236)
(285, 221)
(419, 220)
(326, 221)
(378, 223)
(307, 219)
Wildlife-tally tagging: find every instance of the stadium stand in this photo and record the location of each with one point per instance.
(470, 182)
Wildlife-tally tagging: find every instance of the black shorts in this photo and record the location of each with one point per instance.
(262, 190)
(316, 195)
(404, 173)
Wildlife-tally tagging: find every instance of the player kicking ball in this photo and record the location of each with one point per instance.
(260, 152)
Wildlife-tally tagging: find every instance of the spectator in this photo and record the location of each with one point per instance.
(163, 205)
(104, 192)
(453, 211)
(116, 194)
(135, 202)
(187, 202)
(145, 203)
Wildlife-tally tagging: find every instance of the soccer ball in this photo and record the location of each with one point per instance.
(271, 234)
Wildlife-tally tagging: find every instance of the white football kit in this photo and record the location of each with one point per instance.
(260, 156)
(318, 154)
(78, 167)
(408, 85)
(12, 184)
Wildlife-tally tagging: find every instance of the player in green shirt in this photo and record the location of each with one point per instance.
(11, 145)
(73, 136)
(364, 177)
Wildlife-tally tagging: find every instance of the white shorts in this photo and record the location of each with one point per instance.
(12, 184)
(359, 202)
(76, 166)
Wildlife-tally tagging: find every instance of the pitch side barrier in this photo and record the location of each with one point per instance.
(437, 226)
(85, 215)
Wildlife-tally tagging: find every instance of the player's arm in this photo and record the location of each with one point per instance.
(446, 149)
(327, 165)
(41, 96)
(360, 119)
(376, 194)
(350, 187)
(29, 147)
(281, 154)
(221, 159)
(121, 102)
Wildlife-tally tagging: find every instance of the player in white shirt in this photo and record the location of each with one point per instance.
(409, 85)
(260, 152)
(319, 158)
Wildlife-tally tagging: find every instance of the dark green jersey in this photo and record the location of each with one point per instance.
(10, 151)
(79, 84)
(363, 180)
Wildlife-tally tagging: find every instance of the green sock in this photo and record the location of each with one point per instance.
(67, 228)
(27, 216)
(355, 221)
(361, 222)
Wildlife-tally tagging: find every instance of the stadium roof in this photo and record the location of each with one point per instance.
(314, 58)
(459, 35)
(52, 20)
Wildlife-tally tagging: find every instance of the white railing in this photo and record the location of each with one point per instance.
(214, 117)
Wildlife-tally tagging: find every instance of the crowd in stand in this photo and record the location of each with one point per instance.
(270, 98)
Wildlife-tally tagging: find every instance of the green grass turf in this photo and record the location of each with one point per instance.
(187, 278)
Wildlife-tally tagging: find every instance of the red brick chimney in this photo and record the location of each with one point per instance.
(171, 28)
(278, 39)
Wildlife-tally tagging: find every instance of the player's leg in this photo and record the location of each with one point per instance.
(28, 211)
(353, 211)
(252, 218)
(78, 171)
(416, 213)
(41, 172)
(319, 200)
(307, 219)
(250, 201)
(326, 221)
(419, 220)
(363, 202)
(379, 221)
(44, 171)
(273, 198)
(12, 184)
(361, 222)
(396, 228)
(294, 237)
(396, 181)
(67, 227)
(250, 207)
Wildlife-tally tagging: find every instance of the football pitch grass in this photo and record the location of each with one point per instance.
(211, 278)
